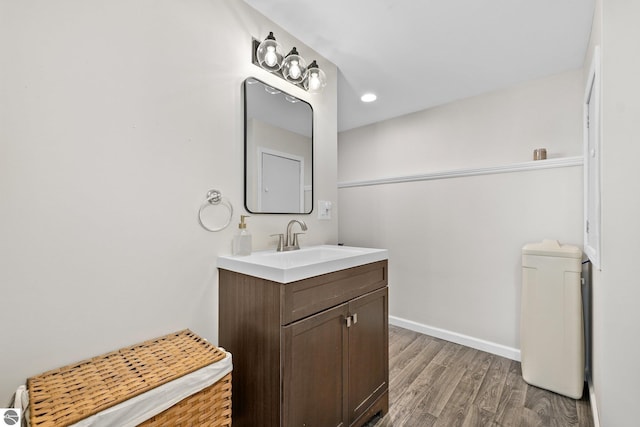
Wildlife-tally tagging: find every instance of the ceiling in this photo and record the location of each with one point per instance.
(416, 54)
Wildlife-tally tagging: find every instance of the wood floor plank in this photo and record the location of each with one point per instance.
(403, 356)
(398, 339)
(490, 391)
(563, 411)
(439, 392)
(435, 383)
(476, 416)
(457, 407)
(538, 402)
(402, 374)
(407, 384)
(448, 354)
(509, 411)
(411, 397)
(420, 416)
(531, 418)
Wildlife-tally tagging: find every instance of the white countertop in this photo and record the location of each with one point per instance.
(286, 267)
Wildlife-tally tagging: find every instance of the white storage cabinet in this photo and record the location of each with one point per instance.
(551, 328)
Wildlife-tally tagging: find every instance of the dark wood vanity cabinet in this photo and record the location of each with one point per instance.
(307, 353)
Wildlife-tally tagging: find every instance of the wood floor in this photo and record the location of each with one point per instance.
(438, 383)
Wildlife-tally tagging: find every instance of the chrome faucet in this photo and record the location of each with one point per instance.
(291, 239)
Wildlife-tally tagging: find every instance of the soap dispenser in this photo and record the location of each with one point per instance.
(242, 240)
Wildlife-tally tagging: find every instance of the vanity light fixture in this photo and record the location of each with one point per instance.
(293, 68)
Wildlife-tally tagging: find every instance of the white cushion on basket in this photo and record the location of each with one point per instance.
(138, 409)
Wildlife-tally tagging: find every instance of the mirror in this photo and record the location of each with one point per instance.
(278, 150)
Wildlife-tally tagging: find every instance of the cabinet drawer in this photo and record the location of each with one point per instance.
(310, 296)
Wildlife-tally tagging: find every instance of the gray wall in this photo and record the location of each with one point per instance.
(455, 243)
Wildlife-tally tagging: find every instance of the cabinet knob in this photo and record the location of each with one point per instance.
(352, 320)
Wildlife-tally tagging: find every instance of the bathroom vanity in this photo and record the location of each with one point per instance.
(309, 337)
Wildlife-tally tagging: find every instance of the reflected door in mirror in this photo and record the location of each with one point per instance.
(281, 183)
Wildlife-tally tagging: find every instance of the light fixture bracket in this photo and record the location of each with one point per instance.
(254, 59)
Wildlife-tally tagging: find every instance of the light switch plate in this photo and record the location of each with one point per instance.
(324, 209)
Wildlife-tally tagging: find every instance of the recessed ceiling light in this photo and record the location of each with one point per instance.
(368, 97)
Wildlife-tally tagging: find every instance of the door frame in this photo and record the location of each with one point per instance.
(592, 220)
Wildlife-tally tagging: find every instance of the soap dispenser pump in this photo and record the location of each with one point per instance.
(242, 240)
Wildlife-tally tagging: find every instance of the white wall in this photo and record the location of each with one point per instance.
(455, 243)
(116, 118)
(616, 350)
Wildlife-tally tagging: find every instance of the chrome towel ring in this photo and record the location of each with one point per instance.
(214, 198)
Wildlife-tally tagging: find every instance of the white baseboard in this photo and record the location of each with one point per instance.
(592, 402)
(478, 344)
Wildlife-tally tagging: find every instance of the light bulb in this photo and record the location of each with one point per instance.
(269, 54)
(314, 82)
(294, 70)
(270, 58)
(294, 67)
(316, 78)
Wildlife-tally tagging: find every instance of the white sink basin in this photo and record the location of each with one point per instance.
(285, 267)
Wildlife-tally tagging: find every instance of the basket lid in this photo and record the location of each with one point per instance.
(64, 396)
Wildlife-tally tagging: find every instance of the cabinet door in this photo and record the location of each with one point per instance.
(314, 366)
(368, 351)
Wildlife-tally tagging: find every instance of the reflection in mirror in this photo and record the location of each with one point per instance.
(278, 150)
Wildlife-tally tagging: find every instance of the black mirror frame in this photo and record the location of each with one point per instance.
(244, 105)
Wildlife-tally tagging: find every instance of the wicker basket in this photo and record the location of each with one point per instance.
(67, 395)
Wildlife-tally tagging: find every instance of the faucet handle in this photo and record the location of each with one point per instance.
(295, 240)
(280, 247)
